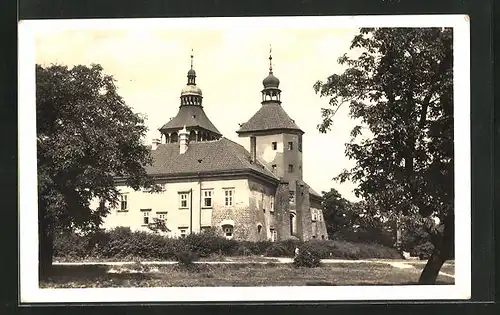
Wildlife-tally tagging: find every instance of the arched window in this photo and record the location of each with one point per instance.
(293, 224)
(259, 228)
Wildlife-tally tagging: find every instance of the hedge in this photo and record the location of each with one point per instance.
(121, 243)
(348, 250)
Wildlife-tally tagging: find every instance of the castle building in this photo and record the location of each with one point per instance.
(253, 192)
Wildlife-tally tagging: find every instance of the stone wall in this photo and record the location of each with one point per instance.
(304, 218)
(318, 226)
(249, 214)
(262, 198)
(281, 212)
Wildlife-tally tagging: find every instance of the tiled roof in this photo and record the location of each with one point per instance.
(204, 157)
(190, 116)
(313, 192)
(270, 116)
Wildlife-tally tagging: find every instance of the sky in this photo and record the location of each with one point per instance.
(150, 65)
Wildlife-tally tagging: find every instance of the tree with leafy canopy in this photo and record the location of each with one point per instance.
(355, 221)
(398, 83)
(86, 138)
(337, 212)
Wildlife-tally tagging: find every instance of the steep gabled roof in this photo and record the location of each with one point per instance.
(190, 116)
(221, 155)
(271, 116)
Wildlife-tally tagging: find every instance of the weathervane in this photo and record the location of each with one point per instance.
(270, 59)
(191, 58)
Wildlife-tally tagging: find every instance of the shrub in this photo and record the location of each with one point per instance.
(254, 248)
(347, 250)
(306, 258)
(122, 243)
(186, 258)
(320, 248)
(243, 251)
(228, 247)
(423, 250)
(276, 250)
(290, 245)
(204, 244)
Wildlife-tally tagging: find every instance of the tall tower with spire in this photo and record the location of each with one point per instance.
(276, 140)
(190, 115)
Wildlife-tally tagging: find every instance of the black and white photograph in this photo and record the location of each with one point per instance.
(245, 159)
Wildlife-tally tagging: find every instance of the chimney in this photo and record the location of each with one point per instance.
(183, 140)
(156, 142)
(253, 149)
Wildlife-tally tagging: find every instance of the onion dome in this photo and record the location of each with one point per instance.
(271, 92)
(271, 81)
(191, 90)
(191, 94)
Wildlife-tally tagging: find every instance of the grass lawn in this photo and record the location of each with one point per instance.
(448, 267)
(210, 258)
(247, 274)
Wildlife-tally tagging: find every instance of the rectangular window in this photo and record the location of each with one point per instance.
(290, 145)
(274, 235)
(228, 197)
(123, 202)
(145, 216)
(291, 197)
(275, 146)
(207, 198)
(290, 168)
(183, 200)
(183, 232)
(228, 231)
(271, 208)
(300, 143)
(162, 216)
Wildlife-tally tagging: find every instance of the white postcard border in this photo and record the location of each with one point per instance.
(28, 221)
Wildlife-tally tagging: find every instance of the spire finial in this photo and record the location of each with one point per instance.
(270, 59)
(191, 58)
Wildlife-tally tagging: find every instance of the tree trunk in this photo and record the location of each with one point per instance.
(45, 248)
(443, 248)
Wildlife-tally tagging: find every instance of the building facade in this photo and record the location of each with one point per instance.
(253, 192)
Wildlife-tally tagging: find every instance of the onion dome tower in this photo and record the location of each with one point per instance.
(271, 116)
(191, 94)
(271, 91)
(190, 115)
(271, 129)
